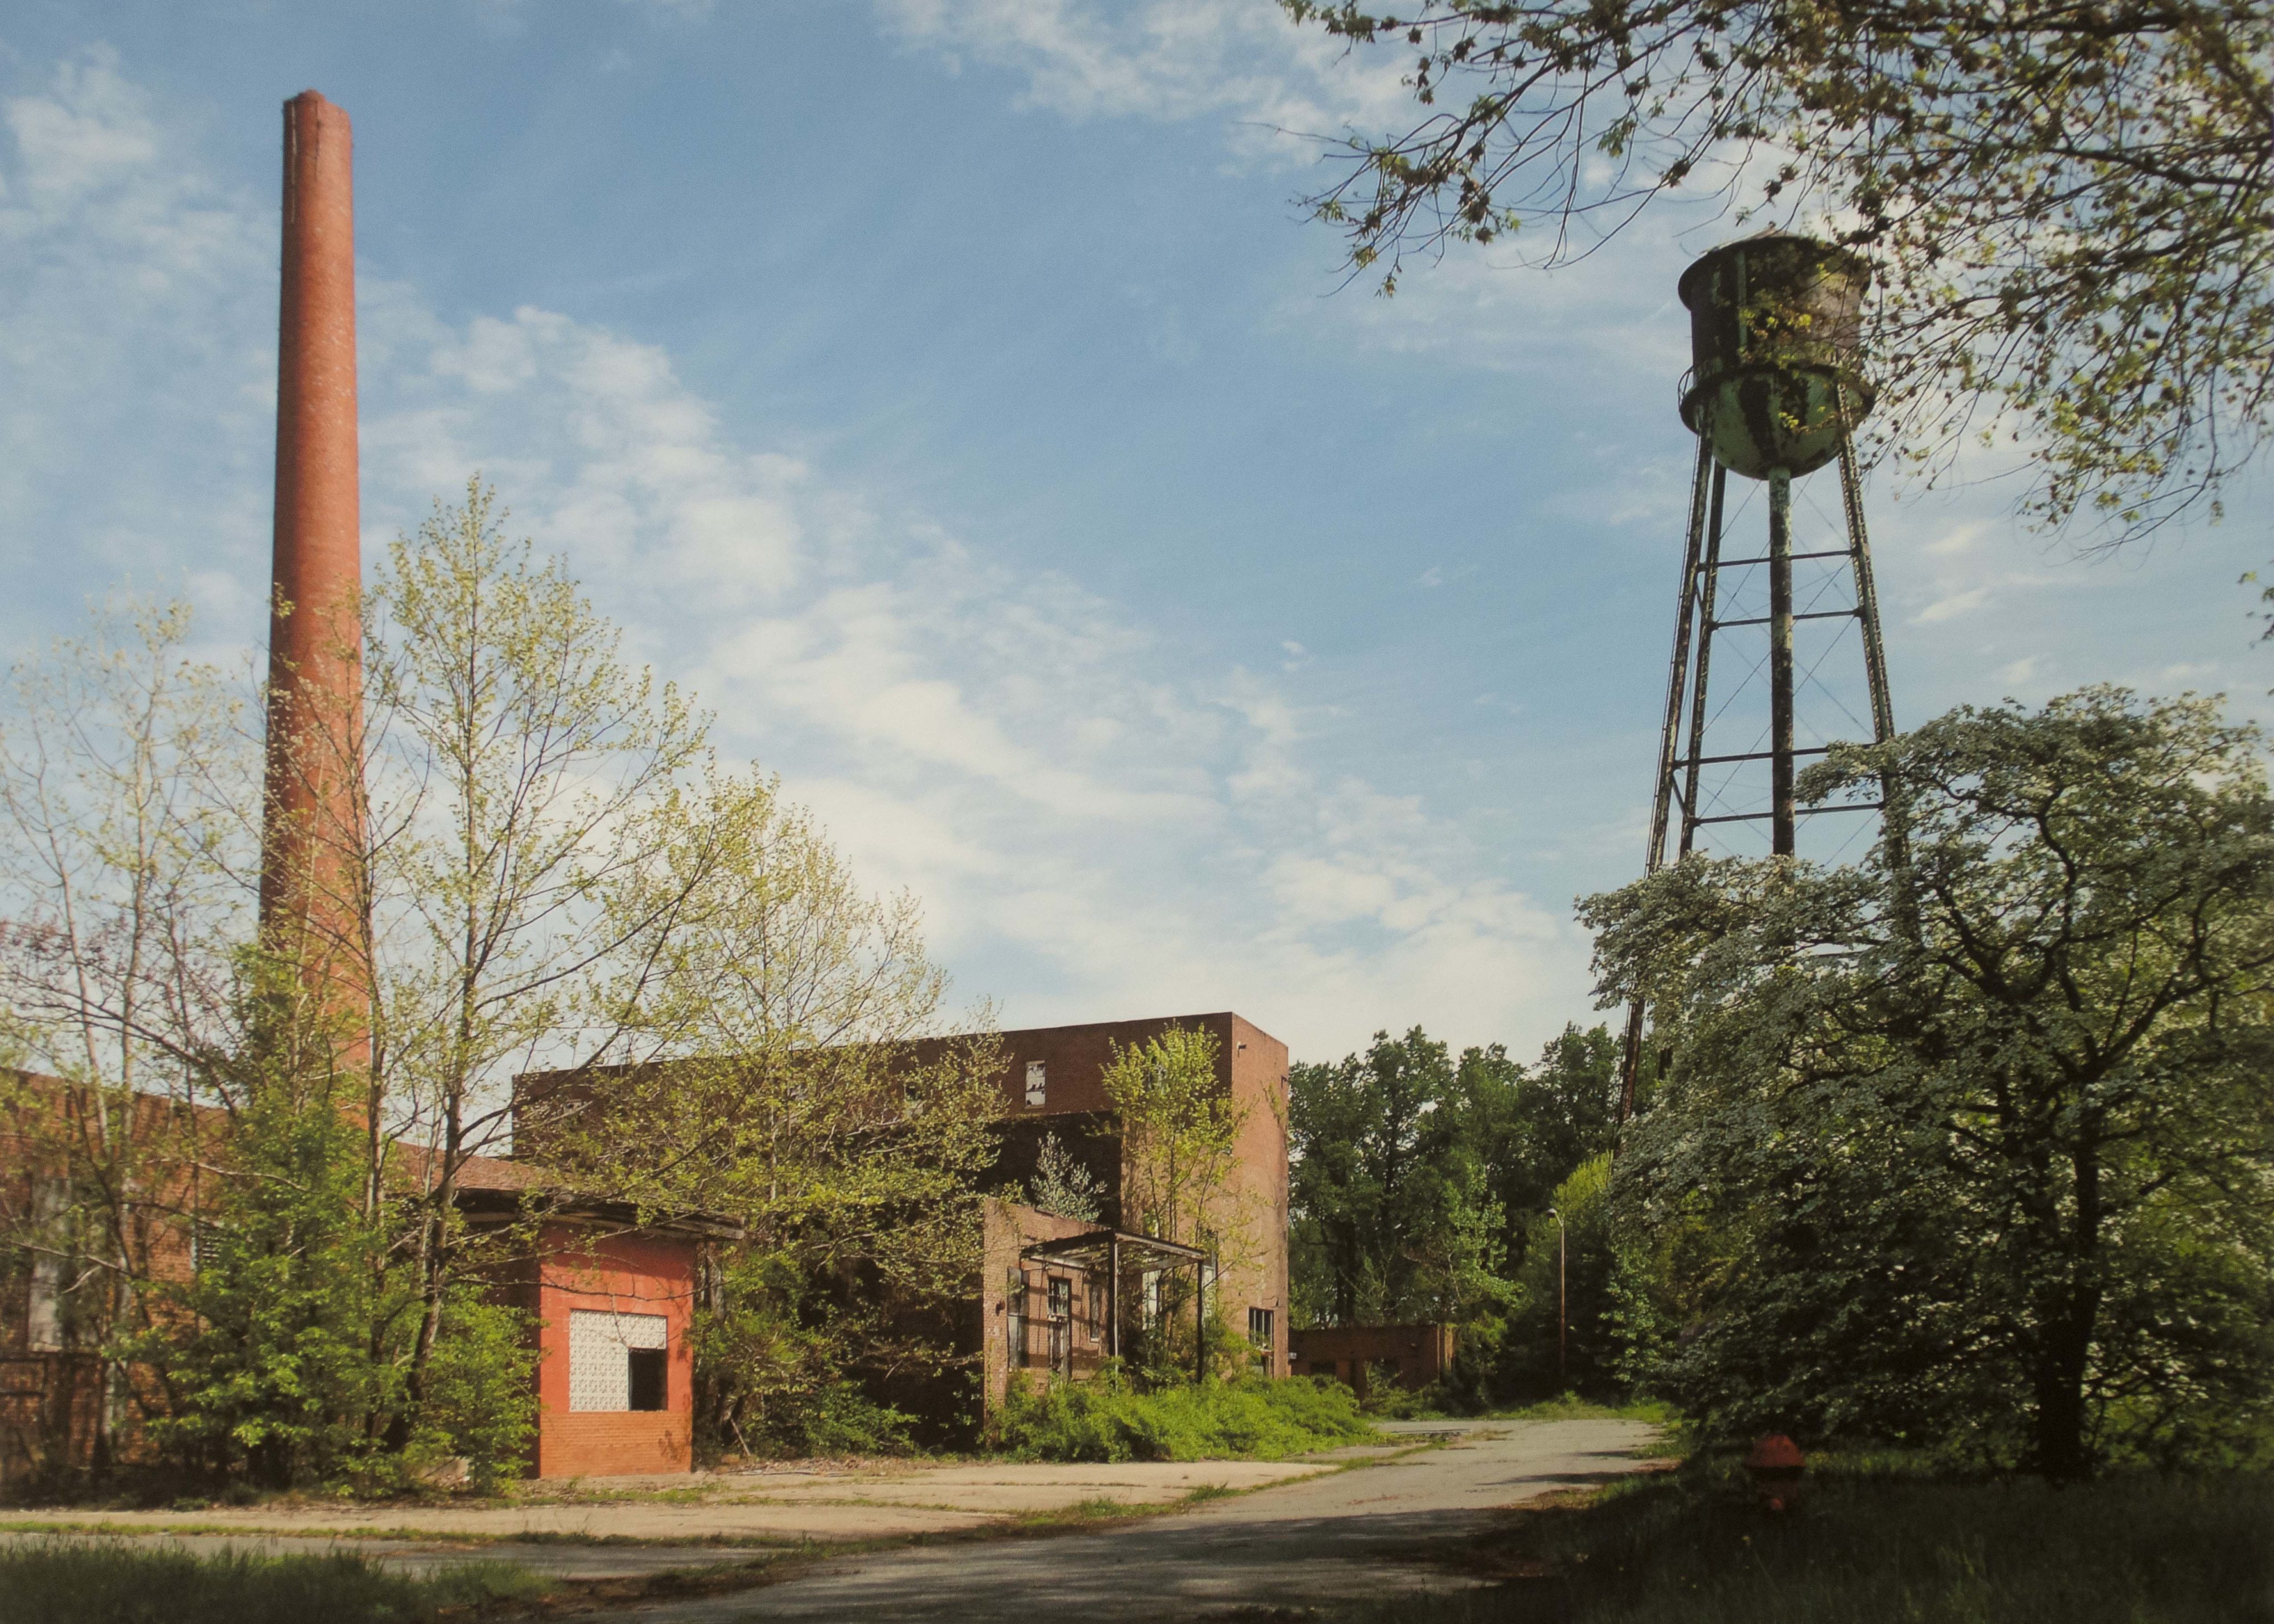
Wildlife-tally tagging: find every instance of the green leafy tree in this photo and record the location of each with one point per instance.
(126, 774)
(532, 840)
(1393, 1217)
(2070, 211)
(1180, 1135)
(784, 1086)
(1062, 1185)
(1532, 1127)
(1575, 1266)
(1973, 1139)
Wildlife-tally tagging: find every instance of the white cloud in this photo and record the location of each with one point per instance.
(1955, 604)
(1168, 59)
(1097, 827)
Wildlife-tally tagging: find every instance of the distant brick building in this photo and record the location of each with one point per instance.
(1053, 1085)
(1406, 1356)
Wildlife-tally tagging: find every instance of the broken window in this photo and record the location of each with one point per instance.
(1037, 1084)
(1014, 1305)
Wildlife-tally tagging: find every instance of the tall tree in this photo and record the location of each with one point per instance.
(1533, 1126)
(776, 1009)
(530, 838)
(1979, 1130)
(126, 777)
(1393, 1216)
(2070, 207)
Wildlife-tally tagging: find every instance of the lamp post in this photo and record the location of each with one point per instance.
(1562, 1367)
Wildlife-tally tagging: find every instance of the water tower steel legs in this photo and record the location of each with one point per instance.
(1780, 841)
(1709, 577)
(1695, 624)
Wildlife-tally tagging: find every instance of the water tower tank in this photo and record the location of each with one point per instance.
(1775, 325)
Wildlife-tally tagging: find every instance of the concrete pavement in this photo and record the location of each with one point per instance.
(1352, 1536)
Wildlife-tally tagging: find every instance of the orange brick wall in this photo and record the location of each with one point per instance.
(623, 1273)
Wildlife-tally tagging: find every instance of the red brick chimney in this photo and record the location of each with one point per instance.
(312, 900)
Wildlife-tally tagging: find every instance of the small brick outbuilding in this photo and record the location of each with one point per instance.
(1406, 1356)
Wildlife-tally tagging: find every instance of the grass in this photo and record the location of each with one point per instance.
(1249, 1419)
(1881, 1546)
(1571, 1407)
(105, 1582)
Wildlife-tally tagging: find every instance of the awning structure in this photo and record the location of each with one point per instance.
(1117, 1249)
(1147, 1251)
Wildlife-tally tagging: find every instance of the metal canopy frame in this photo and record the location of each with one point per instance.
(1118, 1247)
(1695, 624)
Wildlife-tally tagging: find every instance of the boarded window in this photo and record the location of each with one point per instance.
(604, 1353)
(1038, 1083)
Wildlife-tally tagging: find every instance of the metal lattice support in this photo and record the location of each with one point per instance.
(1680, 759)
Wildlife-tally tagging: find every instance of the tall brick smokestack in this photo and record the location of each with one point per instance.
(311, 891)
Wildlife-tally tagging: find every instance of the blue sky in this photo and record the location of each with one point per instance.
(951, 394)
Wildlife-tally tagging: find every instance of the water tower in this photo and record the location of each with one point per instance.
(1774, 392)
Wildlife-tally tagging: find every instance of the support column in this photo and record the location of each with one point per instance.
(1781, 817)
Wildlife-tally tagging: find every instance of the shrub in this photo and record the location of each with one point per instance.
(1248, 1419)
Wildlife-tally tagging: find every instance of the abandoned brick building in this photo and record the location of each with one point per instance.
(1412, 1356)
(1057, 1294)
(612, 1295)
(1062, 1295)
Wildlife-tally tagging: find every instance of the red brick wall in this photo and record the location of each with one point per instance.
(1421, 1353)
(1005, 1227)
(622, 1274)
(1252, 1065)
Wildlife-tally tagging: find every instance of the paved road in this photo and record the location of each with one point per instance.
(1352, 1536)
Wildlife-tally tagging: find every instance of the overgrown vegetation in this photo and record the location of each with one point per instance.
(1107, 1418)
(241, 1210)
(1419, 1190)
(99, 1581)
(1969, 1144)
(1888, 1546)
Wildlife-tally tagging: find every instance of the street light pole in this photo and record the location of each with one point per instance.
(1562, 1364)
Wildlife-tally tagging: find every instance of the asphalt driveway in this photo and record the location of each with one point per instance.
(1356, 1535)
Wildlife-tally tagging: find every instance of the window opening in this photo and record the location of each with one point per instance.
(1038, 1083)
(1014, 1303)
(1259, 1327)
(648, 1379)
(1061, 1306)
(603, 1349)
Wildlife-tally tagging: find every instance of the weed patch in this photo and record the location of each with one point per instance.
(1882, 1546)
(1107, 1419)
(105, 1582)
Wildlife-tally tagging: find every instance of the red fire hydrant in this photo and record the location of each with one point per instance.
(1776, 1464)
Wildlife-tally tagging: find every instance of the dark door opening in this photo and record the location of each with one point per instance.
(651, 1388)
